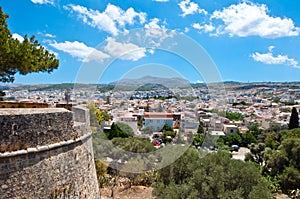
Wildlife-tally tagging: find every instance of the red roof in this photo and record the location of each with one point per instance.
(157, 115)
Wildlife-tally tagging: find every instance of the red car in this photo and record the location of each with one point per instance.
(156, 143)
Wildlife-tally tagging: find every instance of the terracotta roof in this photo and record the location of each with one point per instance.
(157, 115)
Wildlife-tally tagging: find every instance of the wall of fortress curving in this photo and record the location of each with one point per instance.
(46, 153)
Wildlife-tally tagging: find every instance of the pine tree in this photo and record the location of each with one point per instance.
(294, 119)
(2, 94)
(23, 57)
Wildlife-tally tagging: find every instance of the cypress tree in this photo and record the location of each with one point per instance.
(294, 119)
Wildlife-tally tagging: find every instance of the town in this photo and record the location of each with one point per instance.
(135, 130)
(185, 110)
(149, 99)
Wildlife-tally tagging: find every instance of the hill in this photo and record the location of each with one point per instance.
(172, 82)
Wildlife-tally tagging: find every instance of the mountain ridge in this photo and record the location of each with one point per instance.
(167, 82)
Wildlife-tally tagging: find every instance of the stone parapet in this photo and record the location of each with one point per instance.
(27, 128)
(46, 153)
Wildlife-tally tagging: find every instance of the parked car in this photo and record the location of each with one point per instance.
(235, 147)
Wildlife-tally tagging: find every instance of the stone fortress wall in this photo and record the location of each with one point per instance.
(46, 153)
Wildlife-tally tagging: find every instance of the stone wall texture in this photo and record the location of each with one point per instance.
(23, 105)
(53, 159)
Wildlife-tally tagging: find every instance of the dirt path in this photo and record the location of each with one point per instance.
(135, 192)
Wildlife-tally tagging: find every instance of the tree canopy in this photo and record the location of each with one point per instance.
(294, 119)
(284, 164)
(166, 128)
(2, 94)
(279, 157)
(214, 176)
(134, 144)
(126, 128)
(116, 131)
(97, 116)
(22, 57)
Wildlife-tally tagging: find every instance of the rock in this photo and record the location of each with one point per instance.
(4, 186)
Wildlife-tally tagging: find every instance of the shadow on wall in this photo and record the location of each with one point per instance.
(33, 105)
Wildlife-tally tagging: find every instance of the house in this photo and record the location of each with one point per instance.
(127, 118)
(189, 125)
(157, 120)
(266, 122)
(230, 129)
(217, 133)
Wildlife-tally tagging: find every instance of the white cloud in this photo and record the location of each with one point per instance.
(161, 0)
(125, 51)
(197, 26)
(110, 20)
(188, 7)
(249, 19)
(270, 48)
(206, 27)
(155, 33)
(80, 50)
(199, 82)
(18, 37)
(151, 51)
(49, 35)
(270, 58)
(51, 2)
(153, 24)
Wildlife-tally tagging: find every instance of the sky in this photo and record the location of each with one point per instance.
(101, 41)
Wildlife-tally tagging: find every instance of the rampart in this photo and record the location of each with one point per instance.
(23, 105)
(5, 104)
(46, 153)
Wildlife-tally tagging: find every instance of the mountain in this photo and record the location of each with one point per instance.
(47, 87)
(172, 82)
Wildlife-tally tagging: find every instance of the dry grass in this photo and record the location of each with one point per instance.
(3, 147)
(135, 192)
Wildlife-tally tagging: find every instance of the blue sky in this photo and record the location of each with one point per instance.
(246, 40)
